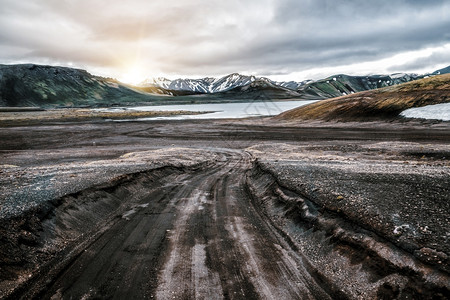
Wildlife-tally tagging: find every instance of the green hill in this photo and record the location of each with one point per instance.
(48, 86)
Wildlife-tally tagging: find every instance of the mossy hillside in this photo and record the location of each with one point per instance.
(341, 85)
(46, 86)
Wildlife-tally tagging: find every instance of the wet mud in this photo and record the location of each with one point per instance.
(224, 210)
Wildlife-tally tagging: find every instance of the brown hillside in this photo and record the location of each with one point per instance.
(384, 103)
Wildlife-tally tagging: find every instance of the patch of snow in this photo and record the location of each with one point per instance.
(398, 75)
(431, 112)
(293, 85)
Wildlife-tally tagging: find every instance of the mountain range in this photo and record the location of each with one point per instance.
(332, 86)
(214, 85)
(383, 103)
(50, 86)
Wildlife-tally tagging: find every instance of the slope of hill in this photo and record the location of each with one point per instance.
(382, 103)
(293, 85)
(445, 70)
(36, 85)
(341, 85)
(259, 90)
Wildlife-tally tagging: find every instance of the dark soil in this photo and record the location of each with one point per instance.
(225, 209)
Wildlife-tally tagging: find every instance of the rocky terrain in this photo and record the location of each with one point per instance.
(220, 209)
(385, 214)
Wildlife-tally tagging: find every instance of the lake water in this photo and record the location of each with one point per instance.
(225, 110)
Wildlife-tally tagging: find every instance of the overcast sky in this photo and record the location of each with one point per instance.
(281, 39)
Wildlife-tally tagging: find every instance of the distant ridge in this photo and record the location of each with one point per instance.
(384, 103)
(203, 85)
(332, 86)
(341, 85)
(50, 86)
(445, 70)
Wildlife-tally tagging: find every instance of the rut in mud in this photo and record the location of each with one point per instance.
(181, 235)
(223, 230)
(352, 260)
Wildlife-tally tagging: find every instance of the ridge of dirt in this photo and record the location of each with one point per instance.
(329, 241)
(38, 239)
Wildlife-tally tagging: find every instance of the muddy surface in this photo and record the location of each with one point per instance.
(11, 116)
(225, 210)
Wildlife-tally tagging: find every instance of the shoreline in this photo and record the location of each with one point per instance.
(35, 117)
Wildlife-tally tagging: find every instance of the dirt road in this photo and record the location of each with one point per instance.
(182, 210)
(195, 236)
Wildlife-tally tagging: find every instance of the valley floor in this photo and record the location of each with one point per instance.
(241, 209)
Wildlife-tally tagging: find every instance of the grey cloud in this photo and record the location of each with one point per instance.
(423, 62)
(216, 37)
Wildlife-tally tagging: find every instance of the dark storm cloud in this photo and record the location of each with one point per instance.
(329, 33)
(217, 37)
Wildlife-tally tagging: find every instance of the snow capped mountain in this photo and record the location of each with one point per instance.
(193, 85)
(161, 82)
(332, 86)
(231, 81)
(208, 84)
(293, 85)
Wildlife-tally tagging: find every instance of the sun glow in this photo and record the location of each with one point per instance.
(133, 75)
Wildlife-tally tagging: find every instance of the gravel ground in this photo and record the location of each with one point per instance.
(391, 188)
(376, 195)
(42, 175)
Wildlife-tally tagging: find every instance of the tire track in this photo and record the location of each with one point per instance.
(198, 237)
(235, 245)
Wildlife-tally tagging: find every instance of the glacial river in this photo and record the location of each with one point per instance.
(224, 110)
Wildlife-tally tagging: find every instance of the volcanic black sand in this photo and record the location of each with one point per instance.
(249, 209)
